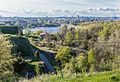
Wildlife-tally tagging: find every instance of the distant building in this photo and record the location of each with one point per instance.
(2, 23)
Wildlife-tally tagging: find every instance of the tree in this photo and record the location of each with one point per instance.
(69, 38)
(114, 44)
(82, 63)
(77, 37)
(8, 56)
(9, 29)
(63, 55)
(91, 59)
(63, 30)
(70, 67)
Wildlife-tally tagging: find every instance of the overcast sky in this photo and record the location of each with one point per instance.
(46, 5)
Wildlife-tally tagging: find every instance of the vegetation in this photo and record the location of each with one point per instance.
(111, 76)
(63, 55)
(68, 37)
(8, 58)
(88, 52)
(15, 50)
(9, 29)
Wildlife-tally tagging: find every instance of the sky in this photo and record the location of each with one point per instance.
(7, 7)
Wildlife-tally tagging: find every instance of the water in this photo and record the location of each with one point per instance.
(46, 29)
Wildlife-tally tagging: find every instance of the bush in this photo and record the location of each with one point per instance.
(10, 45)
(91, 59)
(9, 29)
(9, 77)
(38, 32)
(63, 54)
(82, 63)
(21, 45)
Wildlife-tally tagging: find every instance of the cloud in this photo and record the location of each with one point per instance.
(86, 12)
(43, 7)
(107, 3)
(57, 4)
(71, 2)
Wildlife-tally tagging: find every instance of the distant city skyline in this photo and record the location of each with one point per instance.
(58, 7)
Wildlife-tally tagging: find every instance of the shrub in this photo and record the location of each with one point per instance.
(91, 59)
(10, 45)
(38, 32)
(9, 29)
(21, 45)
(63, 54)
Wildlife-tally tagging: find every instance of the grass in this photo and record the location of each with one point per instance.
(112, 76)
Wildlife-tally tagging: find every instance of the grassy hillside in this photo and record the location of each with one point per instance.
(112, 76)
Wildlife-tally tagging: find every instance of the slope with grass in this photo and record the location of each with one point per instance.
(111, 76)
